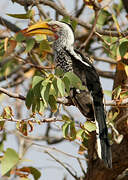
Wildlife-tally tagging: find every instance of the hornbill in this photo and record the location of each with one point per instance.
(89, 101)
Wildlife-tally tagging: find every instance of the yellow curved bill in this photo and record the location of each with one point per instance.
(39, 28)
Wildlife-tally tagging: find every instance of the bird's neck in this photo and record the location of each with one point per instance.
(63, 42)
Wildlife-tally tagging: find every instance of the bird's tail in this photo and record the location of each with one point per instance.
(103, 146)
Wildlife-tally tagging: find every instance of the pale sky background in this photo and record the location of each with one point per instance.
(49, 168)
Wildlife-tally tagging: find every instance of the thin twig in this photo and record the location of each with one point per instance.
(92, 31)
(59, 151)
(62, 164)
(41, 11)
(13, 95)
(81, 166)
(80, 11)
(45, 120)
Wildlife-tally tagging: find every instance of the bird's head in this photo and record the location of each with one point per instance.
(62, 32)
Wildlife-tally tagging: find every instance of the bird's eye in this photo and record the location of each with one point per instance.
(55, 26)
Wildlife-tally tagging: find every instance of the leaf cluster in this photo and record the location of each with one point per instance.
(46, 89)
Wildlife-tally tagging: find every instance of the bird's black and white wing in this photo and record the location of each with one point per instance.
(89, 77)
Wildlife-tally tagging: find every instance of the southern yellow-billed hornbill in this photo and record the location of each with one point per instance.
(90, 101)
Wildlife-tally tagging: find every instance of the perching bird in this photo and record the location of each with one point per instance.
(90, 101)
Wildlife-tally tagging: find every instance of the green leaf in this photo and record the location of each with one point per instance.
(65, 129)
(29, 98)
(116, 92)
(52, 103)
(72, 131)
(53, 91)
(37, 91)
(113, 41)
(40, 37)
(2, 51)
(1, 146)
(89, 126)
(54, 88)
(20, 37)
(74, 24)
(9, 160)
(41, 107)
(79, 134)
(67, 84)
(103, 17)
(2, 123)
(35, 172)
(113, 49)
(45, 93)
(66, 19)
(74, 80)
(34, 104)
(61, 86)
(29, 44)
(69, 131)
(19, 16)
(123, 48)
(59, 72)
(36, 80)
(66, 118)
(28, 15)
(45, 46)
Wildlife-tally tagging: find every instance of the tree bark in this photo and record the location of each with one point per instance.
(96, 169)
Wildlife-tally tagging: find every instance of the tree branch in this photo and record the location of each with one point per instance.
(13, 95)
(9, 25)
(65, 100)
(62, 164)
(63, 12)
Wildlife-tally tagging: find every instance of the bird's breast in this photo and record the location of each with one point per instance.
(63, 61)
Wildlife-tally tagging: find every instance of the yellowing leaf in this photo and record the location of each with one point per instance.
(6, 43)
(7, 113)
(23, 128)
(126, 69)
(89, 126)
